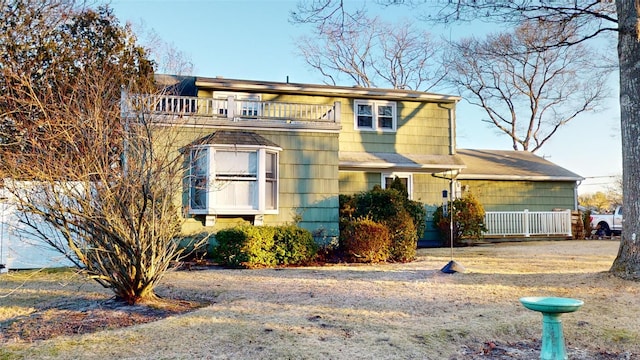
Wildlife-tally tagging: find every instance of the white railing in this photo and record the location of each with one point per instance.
(528, 223)
(231, 108)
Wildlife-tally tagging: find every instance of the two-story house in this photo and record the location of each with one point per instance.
(272, 153)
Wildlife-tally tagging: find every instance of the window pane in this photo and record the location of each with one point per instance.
(385, 123)
(199, 166)
(385, 111)
(385, 117)
(271, 165)
(365, 115)
(236, 163)
(240, 194)
(271, 195)
(389, 180)
(198, 179)
(365, 110)
(199, 193)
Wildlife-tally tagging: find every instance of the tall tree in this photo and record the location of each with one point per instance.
(528, 88)
(371, 52)
(93, 181)
(590, 19)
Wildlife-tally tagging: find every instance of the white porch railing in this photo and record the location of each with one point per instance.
(527, 223)
(231, 108)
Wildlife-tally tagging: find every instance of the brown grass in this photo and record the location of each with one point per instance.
(392, 311)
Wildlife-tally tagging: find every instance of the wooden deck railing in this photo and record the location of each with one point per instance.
(231, 108)
(528, 223)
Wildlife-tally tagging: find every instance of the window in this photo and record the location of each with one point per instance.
(233, 181)
(375, 115)
(405, 178)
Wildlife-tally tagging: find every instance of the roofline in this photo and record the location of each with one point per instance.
(354, 165)
(326, 90)
(463, 176)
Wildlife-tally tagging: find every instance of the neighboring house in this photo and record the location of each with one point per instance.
(504, 180)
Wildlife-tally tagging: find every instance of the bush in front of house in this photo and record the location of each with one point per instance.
(245, 246)
(468, 221)
(293, 245)
(404, 218)
(404, 239)
(249, 246)
(364, 240)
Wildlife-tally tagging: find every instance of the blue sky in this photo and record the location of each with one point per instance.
(254, 40)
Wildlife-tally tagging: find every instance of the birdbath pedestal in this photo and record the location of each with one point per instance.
(551, 308)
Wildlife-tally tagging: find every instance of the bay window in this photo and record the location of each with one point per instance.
(238, 180)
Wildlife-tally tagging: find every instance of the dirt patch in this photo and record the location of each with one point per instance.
(82, 316)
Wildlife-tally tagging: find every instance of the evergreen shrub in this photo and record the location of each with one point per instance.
(364, 240)
(249, 246)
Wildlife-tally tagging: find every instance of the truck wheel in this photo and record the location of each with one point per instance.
(604, 228)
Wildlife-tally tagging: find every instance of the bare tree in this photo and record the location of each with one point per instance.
(104, 183)
(373, 53)
(590, 19)
(528, 88)
(167, 58)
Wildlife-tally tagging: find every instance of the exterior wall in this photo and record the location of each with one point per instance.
(423, 128)
(308, 180)
(497, 195)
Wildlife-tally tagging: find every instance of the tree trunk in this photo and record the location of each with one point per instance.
(627, 263)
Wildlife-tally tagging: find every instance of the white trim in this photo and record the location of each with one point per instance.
(374, 115)
(257, 204)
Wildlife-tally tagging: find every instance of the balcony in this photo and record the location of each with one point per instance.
(230, 110)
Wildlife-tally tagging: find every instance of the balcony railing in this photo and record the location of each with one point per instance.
(231, 108)
(528, 223)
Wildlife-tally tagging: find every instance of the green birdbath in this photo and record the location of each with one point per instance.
(551, 309)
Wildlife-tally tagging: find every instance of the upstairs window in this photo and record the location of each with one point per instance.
(375, 115)
(238, 181)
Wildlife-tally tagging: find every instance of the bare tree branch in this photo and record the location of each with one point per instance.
(513, 80)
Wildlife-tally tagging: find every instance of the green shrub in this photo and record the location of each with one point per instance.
(364, 240)
(246, 246)
(293, 245)
(468, 221)
(264, 246)
(404, 239)
(405, 219)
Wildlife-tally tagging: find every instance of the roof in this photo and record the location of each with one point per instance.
(226, 137)
(511, 165)
(302, 89)
(354, 160)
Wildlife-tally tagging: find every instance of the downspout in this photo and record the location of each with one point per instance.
(452, 131)
(575, 194)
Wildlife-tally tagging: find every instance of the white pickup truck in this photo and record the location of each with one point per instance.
(607, 224)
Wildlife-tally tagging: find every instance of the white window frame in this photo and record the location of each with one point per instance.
(401, 175)
(375, 105)
(258, 203)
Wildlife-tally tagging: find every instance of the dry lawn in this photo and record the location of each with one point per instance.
(391, 311)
